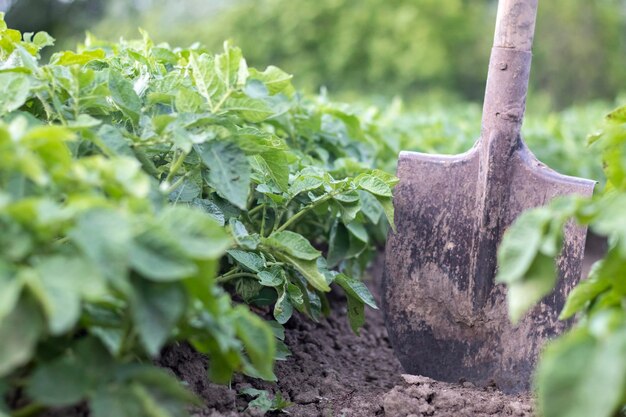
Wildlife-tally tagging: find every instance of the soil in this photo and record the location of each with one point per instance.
(334, 373)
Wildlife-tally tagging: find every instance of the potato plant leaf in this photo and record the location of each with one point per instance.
(293, 244)
(356, 289)
(229, 170)
(14, 90)
(157, 255)
(157, 307)
(19, 332)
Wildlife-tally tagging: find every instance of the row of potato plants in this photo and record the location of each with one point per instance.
(151, 194)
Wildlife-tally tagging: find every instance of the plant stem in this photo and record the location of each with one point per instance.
(177, 183)
(146, 162)
(222, 101)
(263, 221)
(176, 166)
(255, 209)
(305, 211)
(46, 106)
(227, 277)
(29, 410)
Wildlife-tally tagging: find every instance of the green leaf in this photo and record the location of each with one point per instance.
(124, 96)
(520, 245)
(158, 256)
(356, 314)
(370, 206)
(580, 377)
(387, 204)
(358, 230)
(156, 309)
(255, 89)
(19, 332)
(356, 289)
(309, 270)
(204, 75)
(249, 260)
(295, 295)
(248, 289)
(338, 244)
(585, 292)
(278, 167)
(72, 58)
(275, 79)
(304, 183)
(229, 170)
(198, 235)
(297, 251)
(104, 236)
(116, 400)
(261, 402)
(293, 244)
(251, 110)
(349, 211)
(45, 385)
(14, 90)
(272, 277)
(10, 289)
(618, 115)
(228, 66)
(258, 340)
(159, 388)
(210, 208)
(283, 309)
(242, 237)
(189, 101)
(42, 39)
(65, 281)
(538, 281)
(351, 196)
(373, 185)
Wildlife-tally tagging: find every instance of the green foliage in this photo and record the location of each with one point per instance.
(404, 46)
(140, 187)
(263, 403)
(581, 373)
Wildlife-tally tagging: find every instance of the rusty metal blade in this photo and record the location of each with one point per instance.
(446, 317)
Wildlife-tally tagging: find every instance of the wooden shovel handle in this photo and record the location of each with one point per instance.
(507, 81)
(515, 25)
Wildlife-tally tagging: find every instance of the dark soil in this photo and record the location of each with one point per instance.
(334, 373)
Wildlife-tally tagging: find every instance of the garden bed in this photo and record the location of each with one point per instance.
(333, 372)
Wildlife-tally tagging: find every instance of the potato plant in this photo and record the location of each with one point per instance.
(149, 194)
(583, 373)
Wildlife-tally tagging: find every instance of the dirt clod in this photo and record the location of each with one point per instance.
(421, 397)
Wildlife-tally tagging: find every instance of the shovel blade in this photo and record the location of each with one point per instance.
(445, 316)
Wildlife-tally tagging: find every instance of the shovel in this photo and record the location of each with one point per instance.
(446, 317)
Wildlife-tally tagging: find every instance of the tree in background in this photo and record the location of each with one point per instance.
(367, 47)
(407, 46)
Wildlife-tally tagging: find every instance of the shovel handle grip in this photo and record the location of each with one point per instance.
(515, 24)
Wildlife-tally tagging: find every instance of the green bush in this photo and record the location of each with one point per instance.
(137, 183)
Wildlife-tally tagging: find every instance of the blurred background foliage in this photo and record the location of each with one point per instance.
(366, 47)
